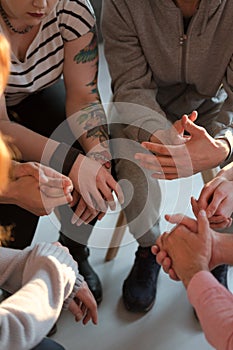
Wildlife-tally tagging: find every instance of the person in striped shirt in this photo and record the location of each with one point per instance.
(52, 112)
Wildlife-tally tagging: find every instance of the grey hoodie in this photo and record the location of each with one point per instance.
(154, 64)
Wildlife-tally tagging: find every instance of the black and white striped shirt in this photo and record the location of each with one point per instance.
(43, 64)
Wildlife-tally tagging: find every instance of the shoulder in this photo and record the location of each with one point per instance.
(75, 17)
(80, 7)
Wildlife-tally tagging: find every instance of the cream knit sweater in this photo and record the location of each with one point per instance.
(42, 279)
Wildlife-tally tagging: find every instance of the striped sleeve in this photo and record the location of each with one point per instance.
(76, 18)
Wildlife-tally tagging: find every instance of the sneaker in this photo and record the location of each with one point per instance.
(139, 288)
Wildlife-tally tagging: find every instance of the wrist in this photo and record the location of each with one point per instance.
(226, 172)
(63, 158)
(225, 148)
(10, 195)
(186, 279)
(159, 136)
(103, 157)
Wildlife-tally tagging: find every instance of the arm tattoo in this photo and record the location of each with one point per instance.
(93, 117)
(89, 54)
(93, 120)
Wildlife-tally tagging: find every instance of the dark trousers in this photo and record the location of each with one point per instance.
(48, 344)
(43, 112)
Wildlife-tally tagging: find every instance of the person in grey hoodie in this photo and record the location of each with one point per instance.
(172, 81)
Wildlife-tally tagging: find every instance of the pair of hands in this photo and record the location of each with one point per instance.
(94, 187)
(190, 245)
(216, 198)
(187, 249)
(37, 188)
(177, 155)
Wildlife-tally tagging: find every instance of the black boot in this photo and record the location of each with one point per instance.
(220, 273)
(139, 288)
(80, 253)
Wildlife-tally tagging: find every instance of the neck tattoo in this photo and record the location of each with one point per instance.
(9, 25)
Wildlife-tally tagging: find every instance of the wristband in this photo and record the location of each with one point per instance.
(229, 144)
(63, 158)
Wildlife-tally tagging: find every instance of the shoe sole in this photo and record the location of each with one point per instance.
(140, 310)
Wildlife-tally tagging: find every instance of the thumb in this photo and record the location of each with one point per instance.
(193, 116)
(178, 126)
(202, 223)
(190, 126)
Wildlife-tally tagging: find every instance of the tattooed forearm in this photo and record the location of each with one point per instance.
(93, 120)
(103, 158)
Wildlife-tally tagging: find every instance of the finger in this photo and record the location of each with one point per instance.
(178, 219)
(54, 202)
(100, 216)
(164, 150)
(75, 310)
(150, 146)
(86, 217)
(195, 206)
(119, 193)
(173, 275)
(155, 249)
(97, 203)
(147, 158)
(191, 127)
(223, 224)
(217, 219)
(115, 187)
(167, 263)
(178, 127)
(80, 209)
(55, 192)
(202, 223)
(161, 256)
(87, 317)
(107, 195)
(193, 116)
(163, 176)
(214, 204)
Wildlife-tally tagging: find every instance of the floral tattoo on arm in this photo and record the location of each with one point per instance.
(92, 118)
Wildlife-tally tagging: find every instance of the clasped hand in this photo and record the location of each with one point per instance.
(37, 188)
(187, 249)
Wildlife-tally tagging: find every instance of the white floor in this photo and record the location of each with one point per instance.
(170, 325)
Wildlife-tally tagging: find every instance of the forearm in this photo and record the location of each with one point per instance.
(89, 126)
(30, 144)
(213, 304)
(222, 249)
(28, 315)
(12, 262)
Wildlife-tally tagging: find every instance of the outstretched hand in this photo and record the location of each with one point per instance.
(95, 185)
(84, 306)
(198, 152)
